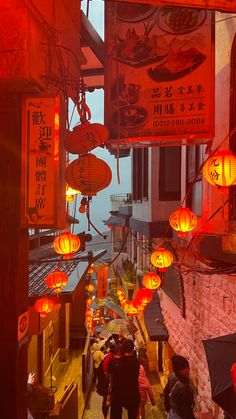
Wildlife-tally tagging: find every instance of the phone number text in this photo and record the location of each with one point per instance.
(168, 123)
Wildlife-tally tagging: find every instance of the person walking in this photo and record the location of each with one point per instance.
(103, 378)
(124, 386)
(178, 395)
(98, 357)
(145, 390)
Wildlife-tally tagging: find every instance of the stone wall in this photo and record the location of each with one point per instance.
(210, 312)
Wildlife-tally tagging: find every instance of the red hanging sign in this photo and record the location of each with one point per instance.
(102, 280)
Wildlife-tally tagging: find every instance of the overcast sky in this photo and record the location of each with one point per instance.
(101, 205)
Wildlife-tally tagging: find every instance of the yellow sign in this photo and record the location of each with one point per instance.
(160, 83)
(40, 156)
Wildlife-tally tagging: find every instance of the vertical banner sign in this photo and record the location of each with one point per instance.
(102, 280)
(40, 154)
(159, 85)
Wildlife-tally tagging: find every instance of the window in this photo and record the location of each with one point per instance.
(232, 124)
(194, 186)
(140, 174)
(170, 174)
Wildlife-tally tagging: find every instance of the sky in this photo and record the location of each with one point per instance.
(101, 204)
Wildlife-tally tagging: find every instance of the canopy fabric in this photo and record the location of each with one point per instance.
(120, 327)
(220, 355)
(114, 307)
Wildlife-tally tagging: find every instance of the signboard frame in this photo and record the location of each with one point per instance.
(43, 203)
(124, 67)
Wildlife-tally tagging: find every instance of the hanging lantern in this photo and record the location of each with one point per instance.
(130, 309)
(44, 306)
(89, 301)
(144, 295)
(138, 304)
(85, 138)
(91, 270)
(151, 280)
(90, 287)
(183, 220)
(66, 244)
(220, 169)
(56, 280)
(162, 258)
(88, 174)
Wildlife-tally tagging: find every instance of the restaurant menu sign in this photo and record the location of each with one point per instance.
(159, 84)
(221, 5)
(40, 157)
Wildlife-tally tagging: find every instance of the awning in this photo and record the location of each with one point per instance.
(75, 268)
(154, 320)
(114, 307)
(117, 220)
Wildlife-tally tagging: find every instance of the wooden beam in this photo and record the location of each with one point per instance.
(91, 38)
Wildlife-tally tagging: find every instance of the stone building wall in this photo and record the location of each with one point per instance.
(210, 312)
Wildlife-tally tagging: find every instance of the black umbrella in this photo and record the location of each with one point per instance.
(221, 354)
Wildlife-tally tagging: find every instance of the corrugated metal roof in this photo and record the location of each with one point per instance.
(154, 320)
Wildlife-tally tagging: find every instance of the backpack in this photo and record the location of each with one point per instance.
(102, 381)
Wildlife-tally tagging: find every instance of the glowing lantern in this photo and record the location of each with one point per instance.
(151, 280)
(56, 280)
(89, 301)
(220, 169)
(66, 244)
(44, 306)
(88, 174)
(162, 258)
(85, 137)
(91, 270)
(183, 220)
(138, 304)
(233, 375)
(130, 309)
(90, 287)
(70, 194)
(144, 295)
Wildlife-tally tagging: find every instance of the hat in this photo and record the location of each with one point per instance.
(179, 363)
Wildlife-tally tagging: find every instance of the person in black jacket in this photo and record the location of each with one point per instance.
(178, 395)
(124, 386)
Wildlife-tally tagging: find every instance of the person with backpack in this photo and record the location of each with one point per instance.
(178, 395)
(98, 357)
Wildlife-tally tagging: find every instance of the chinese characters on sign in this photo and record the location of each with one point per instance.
(102, 281)
(160, 85)
(40, 147)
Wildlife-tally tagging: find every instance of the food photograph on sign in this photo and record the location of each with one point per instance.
(161, 65)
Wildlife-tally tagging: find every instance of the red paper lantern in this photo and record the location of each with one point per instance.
(139, 305)
(91, 270)
(144, 295)
(90, 287)
(66, 244)
(183, 220)
(86, 137)
(162, 258)
(44, 306)
(56, 280)
(233, 375)
(89, 301)
(88, 174)
(151, 280)
(220, 169)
